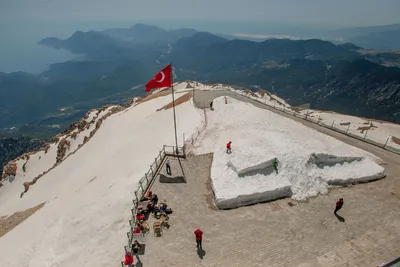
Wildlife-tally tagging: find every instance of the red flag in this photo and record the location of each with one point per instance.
(162, 79)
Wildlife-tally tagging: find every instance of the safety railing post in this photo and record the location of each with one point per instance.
(387, 140)
(151, 169)
(141, 185)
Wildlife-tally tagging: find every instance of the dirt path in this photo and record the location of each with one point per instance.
(7, 223)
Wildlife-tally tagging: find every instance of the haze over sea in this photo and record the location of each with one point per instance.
(20, 51)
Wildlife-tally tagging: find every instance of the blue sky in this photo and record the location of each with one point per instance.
(306, 12)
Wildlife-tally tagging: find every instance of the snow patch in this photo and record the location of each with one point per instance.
(308, 161)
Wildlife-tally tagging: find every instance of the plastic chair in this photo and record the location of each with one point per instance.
(157, 228)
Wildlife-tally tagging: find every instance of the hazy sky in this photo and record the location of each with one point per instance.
(317, 12)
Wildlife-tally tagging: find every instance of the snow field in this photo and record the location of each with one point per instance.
(40, 162)
(373, 130)
(258, 136)
(89, 195)
(380, 135)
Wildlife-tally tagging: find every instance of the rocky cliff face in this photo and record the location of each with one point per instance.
(11, 148)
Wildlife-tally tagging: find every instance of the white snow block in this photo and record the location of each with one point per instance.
(246, 178)
(337, 170)
(355, 172)
(251, 195)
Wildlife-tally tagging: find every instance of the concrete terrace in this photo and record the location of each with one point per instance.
(282, 232)
(279, 233)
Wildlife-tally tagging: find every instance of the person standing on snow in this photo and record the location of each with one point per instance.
(339, 205)
(168, 167)
(228, 147)
(275, 164)
(211, 105)
(128, 258)
(199, 237)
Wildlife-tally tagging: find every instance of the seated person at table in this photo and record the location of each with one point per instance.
(154, 199)
(148, 195)
(163, 207)
(150, 207)
(137, 229)
(140, 216)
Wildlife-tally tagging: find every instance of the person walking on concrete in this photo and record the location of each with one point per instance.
(339, 205)
(168, 167)
(228, 147)
(199, 237)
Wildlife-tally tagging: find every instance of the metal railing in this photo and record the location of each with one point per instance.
(145, 184)
(189, 143)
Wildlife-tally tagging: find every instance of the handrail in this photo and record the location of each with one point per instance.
(145, 183)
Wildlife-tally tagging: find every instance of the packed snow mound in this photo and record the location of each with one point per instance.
(235, 186)
(89, 195)
(322, 160)
(308, 161)
(262, 168)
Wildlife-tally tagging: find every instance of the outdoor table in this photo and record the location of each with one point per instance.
(143, 205)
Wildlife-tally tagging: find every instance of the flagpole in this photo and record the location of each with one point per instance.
(173, 107)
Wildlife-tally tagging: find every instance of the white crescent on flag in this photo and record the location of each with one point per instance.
(162, 77)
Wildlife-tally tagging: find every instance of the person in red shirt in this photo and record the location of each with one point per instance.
(128, 258)
(140, 216)
(136, 230)
(228, 147)
(339, 205)
(199, 236)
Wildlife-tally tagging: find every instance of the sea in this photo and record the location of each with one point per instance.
(20, 51)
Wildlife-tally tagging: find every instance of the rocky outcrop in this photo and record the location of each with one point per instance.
(9, 170)
(62, 148)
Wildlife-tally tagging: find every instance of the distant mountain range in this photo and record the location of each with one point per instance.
(376, 37)
(114, 64)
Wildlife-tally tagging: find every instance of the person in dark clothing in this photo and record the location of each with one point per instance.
(150, 207)
(275, 164)
(211, 105)
(135, 249)
(228, 147)
(339, 205)
(168, 167)
(154, 199)
(199, 237)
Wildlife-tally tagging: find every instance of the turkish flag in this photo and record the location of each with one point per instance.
(162, 79)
